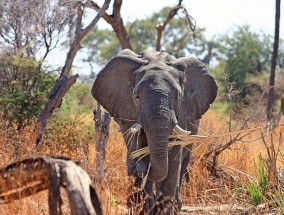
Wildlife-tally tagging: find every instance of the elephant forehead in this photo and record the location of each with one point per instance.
(159, 79)
(160, 71)
(155, 56)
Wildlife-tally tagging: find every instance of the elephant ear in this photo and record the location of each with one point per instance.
(112, 87)
(200, 88)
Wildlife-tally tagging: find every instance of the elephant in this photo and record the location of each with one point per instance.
(153, 94)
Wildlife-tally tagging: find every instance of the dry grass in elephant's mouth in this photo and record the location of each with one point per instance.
(201, 142)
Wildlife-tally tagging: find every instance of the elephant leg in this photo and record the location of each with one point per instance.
(166, 190)
(141, 201)
(186, 159)
(133, 142)
(192, 126)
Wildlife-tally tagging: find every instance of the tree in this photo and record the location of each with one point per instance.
(24, 86)
(273, 62)
(23, 27)
(26, 38)
(65, 81)
(245, 54)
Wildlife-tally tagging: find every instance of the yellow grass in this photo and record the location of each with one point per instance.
(70, 138)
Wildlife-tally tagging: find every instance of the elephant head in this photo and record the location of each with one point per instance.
(156, 90)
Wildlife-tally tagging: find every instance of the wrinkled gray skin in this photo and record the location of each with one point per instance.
(158, 91)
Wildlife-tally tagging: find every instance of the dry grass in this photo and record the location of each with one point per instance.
(74, 138)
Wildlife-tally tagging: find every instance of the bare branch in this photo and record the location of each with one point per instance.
(96, 19)
(116, 22)
(80, 13)
(116, 9)
(96, 7)
(79, 35)
(161, 27)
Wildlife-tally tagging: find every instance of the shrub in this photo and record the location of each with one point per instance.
(24, 87)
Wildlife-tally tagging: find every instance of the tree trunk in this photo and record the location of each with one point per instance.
(60, 88)
(270, 104)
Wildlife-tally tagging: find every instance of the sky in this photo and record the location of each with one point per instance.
(216, 16)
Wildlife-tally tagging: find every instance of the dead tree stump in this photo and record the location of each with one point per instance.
(282, 106)
(32, 175)
(102, 122)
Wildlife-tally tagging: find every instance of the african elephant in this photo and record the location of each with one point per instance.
(155, 93)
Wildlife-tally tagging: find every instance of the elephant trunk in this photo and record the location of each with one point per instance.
(158, 136)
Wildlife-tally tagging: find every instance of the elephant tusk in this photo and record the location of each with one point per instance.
(179, 130)
(135, 128)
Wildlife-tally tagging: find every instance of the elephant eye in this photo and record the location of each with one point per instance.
(137, 97)
(176, 95)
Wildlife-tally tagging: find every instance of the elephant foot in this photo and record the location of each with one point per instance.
(140, 202)
(165, 206)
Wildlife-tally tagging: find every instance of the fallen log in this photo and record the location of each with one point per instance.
(27, 177)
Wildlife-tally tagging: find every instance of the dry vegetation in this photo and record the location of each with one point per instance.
(238, 166)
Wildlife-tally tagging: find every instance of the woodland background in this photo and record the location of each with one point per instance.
(48, 110)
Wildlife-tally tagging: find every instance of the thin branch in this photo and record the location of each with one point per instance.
(96, 19)
(160, 27)
(116, 22)
(105, 16)
(173, 12)
(131, 27)
(80, 34)
(116, 9)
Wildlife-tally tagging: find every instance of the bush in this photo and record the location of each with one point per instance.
(77, 101)
(24, 87)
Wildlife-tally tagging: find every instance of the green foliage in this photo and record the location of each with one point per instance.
(258, 189)
(245, 54)
(102, 44)
(255, 193)
(280, 202)
(24, 87)
(78, 100)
